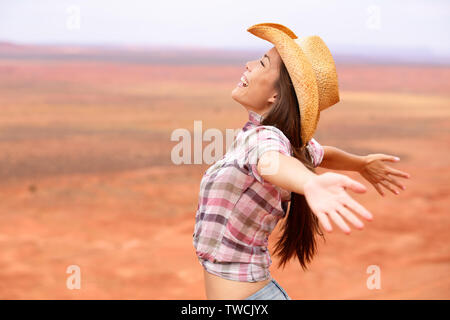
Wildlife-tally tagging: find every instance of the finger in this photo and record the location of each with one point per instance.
(399, 173)
(395, 182)
(323, 219)
(388, 186)
(353, 185)
(391, 158)
(378, 188)
(339, 221)
(351, 203)
(347, 214)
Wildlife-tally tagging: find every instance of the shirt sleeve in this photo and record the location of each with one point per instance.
(267, 138)
(316, 152)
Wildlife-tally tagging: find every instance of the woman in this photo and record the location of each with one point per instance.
(268, 172)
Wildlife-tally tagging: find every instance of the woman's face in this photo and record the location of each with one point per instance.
(257, 91)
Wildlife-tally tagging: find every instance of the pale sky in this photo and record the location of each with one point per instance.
(402, 24)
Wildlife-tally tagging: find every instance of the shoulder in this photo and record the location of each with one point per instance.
(267, 138)
(264, 133)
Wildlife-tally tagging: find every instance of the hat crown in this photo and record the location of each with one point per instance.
(324, 68)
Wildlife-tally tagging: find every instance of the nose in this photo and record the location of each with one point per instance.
(247, 66)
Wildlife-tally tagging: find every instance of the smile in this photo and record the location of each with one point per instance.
(244, 82)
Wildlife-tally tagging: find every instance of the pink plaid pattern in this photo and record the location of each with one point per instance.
(316, 151)
(237, 209)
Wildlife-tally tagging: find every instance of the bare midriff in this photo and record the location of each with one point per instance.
(218, 288)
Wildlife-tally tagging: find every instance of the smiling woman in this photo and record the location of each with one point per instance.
(257, 91)
(268, 172)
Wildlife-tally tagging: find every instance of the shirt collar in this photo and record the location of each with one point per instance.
(254, 119)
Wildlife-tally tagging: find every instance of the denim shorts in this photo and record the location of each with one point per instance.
(271, 291)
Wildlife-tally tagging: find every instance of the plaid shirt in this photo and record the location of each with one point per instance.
(238, 209)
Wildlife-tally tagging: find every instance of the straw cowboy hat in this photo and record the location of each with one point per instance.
(311, 68)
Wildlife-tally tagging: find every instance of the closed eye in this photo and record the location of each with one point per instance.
(262, 63)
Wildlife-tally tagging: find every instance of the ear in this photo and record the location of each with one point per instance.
(272, 98)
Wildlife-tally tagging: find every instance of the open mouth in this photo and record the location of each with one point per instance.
(244, 82)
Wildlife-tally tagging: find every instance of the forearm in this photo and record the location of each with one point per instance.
(286, 172)
(337, 159)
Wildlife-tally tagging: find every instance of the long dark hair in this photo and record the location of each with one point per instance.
(300, 224)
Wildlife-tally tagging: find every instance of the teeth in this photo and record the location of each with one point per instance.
(244, 81)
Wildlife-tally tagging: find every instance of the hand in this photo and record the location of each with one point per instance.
(377, 172)
(327, 197)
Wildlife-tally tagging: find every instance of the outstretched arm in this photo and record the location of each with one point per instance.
(337, 159)
(326, 193)
(372, 167)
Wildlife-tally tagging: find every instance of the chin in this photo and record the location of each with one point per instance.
(235, 94)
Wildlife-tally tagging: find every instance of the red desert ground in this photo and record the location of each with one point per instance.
(86, 177)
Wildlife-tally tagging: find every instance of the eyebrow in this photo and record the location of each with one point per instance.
(265, 55)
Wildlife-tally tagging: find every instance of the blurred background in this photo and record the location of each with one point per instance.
(91, 91)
